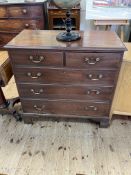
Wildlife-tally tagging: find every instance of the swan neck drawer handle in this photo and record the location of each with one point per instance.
(37, 92)
(29, 74)
(90, 76)
(38, 108)
(94, 108)
(97, 92)
(91, 61)
(36, 60)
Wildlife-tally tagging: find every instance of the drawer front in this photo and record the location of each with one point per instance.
(25, 11)
(37, 58)
(59, 13)
(6, 37)
(3, 12)
(44, 75)
(65, 92)
(66, 107)
(93, 60)
(20, 24)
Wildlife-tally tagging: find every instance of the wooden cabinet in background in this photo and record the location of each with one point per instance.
(14, 17)
(57, 16)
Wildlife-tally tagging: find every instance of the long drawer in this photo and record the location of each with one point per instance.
(93, 60)
(55, 75)
(36, 58)
(19, 24)
(65, 92)
(66, 107)
(25, 11)
(21, 11)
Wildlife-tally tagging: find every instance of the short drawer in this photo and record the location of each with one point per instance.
(66, 107)
(53, 75)
(37, 58)
(93, 60)
(25, 11)
(65, 92)
(19, 24)
(3, 12)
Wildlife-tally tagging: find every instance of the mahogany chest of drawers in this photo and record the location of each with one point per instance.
(72, 79)
(14, 17)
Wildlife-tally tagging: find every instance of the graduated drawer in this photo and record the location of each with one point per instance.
(37, 58)
(25, 11)
(93, 60)
(65, 92)
(3, 12)
(55, 75)
(19, 24)
(66, 107)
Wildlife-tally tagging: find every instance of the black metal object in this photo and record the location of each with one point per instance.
(68, 35)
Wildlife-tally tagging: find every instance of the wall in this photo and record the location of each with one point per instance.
(85, 24)
(88, 24)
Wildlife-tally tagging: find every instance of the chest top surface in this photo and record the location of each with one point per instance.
(46, 39)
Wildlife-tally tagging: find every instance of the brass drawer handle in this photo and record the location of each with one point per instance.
(92, 61)
(90, 76)
(38, 108)
(97, 92)
(29, 74)
(24, 11)
(94, 108)
(27, 25)
(37, 92)
(36, 60)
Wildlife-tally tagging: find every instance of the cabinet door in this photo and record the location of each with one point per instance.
(122, 99)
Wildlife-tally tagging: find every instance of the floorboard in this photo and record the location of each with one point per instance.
(63, 148)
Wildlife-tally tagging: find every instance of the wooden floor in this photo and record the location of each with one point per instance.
(64, 148)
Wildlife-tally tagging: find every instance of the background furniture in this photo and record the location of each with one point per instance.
(122, 99)
(5, 75)
(71, 79)
(14, 17)
(5, 68)
(109, 23)
(7, 106)
(57, 16)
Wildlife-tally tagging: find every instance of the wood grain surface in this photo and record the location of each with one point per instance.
(92, 40)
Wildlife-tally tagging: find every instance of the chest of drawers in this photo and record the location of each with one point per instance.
(14, 17)
(74, 79)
